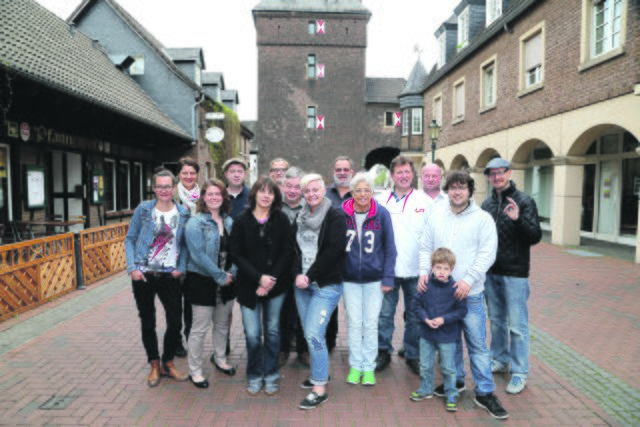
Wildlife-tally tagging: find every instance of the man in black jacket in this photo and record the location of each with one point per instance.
(507, 283)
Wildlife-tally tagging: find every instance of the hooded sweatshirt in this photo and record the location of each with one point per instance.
(470, 234)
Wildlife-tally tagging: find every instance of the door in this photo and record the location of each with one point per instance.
(608, 200)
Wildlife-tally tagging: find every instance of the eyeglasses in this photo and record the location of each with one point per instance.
(455, 188)
(278, 170)
(362, 191)
(338, 170)
(164, 187)
(497, 173)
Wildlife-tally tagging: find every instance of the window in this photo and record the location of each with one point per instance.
(416, 121)
(458, 101)
(488, 84)
(532, 59)
(311, 117)
(606, 25)
(137, 190)
(137, 68)
(442, 49)
(311, 27)
(437, 109)
(463, 28)
(389, 119)
(494, 10)
(405, 122)
(123, 182)
(311, 66)
(109, 185)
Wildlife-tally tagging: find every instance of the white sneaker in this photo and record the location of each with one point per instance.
(498, 367)
(516, 385)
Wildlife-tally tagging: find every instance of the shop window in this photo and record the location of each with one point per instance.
(416, 121)
(109, 185)
(311, 117)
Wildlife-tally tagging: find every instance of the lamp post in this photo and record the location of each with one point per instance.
(434, 134)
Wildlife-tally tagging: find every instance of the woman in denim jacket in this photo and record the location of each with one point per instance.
(209, 278)
(156, 258)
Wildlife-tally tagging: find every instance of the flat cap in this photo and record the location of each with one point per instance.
(497, 163)
(234, 161)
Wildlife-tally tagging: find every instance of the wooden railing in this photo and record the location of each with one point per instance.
(34, 272)
(102, 250)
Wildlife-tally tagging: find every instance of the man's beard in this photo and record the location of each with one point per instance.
(344, 183)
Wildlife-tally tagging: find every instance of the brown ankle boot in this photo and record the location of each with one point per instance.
(154, 375)
(168, 369)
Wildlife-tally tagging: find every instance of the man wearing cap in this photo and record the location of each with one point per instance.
(235, 171)
(507, 282)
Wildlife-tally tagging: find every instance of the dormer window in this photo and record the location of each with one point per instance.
(463, 29)
(494, 10)
(442, 49)
(137, 68)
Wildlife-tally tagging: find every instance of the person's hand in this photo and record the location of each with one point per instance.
(267, 282)
(512, 210)
(386, 289)
(229, 279)
(462, 289)
(431, 323)
(138, 275)
(175, 274)
(261, 291)
(422, 283)
(302, 281)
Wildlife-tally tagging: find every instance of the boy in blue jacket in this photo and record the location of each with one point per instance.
(440, 313)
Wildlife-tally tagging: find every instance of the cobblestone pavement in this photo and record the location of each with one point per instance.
(79, 361)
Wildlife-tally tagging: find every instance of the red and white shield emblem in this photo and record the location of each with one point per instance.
(320, 122)
(398, 115)
(321, 71)
(320, 26)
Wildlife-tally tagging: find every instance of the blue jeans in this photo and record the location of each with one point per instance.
(411, 325)
(509, 315)
(474, 327)
(362, 302)
(263, 351)
(447, 366)
(315, 305)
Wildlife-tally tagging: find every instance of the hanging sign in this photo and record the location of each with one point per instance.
(24, 132)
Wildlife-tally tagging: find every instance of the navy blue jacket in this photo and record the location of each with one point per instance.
(240, 202)
(438, 301)
(371, 258)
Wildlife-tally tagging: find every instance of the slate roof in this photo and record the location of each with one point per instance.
(514, 9)
(40, 46)
(312, 6)
(212, 78)
(416, 81)
(230, 95)
(383, 90)
(154, 43)
(186, 54)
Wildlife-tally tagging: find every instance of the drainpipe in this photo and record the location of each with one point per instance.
(194, 116)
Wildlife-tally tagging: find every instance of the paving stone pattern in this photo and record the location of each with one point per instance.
(79, 361)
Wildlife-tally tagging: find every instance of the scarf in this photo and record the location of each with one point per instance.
(189, 198)
(308, 221)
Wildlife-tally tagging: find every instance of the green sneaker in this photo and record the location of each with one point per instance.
(452, 404)
(354, 376)
(369, 378)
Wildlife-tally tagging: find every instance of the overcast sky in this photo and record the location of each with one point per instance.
(225, 30)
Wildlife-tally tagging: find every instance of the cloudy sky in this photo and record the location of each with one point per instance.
(225, 30)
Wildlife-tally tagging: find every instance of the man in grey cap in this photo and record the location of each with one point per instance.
(507, 282)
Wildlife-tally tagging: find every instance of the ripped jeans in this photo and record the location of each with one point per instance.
(315, 305)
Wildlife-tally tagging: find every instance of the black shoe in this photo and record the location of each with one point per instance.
(414, 366)
(439, 391)
(401, 352)
(181, 351)
(491, 403)
(201, 384)
(306, 384)
(230, 371)
(313, 400)
(383, 360)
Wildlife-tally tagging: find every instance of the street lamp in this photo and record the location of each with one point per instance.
(434, 134)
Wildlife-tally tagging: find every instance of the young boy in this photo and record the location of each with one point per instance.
(441, 313)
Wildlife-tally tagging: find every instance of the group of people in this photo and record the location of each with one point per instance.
(288, 248)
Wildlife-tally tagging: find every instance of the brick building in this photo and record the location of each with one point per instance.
(554, 87)
(314, 101)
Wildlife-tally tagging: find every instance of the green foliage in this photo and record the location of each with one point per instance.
(381, 178)
(228, 147)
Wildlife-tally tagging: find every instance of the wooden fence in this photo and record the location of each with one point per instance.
(34, 272)
(102, 250)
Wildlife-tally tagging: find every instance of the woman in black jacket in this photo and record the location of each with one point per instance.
(261, 247)
(320, 231)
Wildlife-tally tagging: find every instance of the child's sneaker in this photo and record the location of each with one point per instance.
(354, 376)
(452, 404)
(369, 378)
(419, 395)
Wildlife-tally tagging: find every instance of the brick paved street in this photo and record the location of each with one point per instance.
(81, 356)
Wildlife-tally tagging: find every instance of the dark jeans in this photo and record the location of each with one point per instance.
(290, 325)
(168, 291)
(187, 311)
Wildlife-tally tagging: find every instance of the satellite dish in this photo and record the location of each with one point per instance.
(214, 134)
